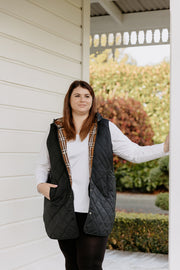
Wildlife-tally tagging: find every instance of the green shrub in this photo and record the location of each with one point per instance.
(134, 177)
(144, 177)
(164, 164)
(162, 201)
(140, 232)
(159, 176)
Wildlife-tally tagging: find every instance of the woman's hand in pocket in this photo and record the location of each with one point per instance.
(44, 189)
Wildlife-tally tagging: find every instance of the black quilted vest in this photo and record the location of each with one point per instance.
(59, 216)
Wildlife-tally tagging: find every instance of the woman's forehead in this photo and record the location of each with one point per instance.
(81, 90)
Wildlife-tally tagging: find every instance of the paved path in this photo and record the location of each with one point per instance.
(123, 260)
(140, 203)
(114, 260)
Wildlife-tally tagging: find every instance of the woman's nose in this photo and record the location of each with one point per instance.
(82, 98)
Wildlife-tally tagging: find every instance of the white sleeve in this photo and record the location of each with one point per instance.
(128, 150)
(43, 162)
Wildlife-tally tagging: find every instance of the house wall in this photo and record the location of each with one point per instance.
(44, 46)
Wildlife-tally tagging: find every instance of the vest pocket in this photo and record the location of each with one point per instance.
(52, 193)
(57, 194)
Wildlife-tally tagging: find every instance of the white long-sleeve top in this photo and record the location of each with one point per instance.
(77, 151)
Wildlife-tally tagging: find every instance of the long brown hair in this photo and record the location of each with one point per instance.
(67, 112)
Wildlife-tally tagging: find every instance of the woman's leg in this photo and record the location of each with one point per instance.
(68, 248)
(90, 252)
(86, 252)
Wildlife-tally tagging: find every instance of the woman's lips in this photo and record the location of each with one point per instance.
(82, 105)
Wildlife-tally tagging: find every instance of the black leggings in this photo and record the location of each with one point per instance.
(85, 252)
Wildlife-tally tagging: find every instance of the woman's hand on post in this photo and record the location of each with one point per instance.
(44, 189)
(166, 144)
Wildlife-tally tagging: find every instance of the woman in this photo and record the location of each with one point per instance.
(75, 175)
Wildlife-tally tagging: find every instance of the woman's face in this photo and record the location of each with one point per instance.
(80, 100)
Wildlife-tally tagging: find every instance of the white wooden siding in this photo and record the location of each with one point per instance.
(43, 48)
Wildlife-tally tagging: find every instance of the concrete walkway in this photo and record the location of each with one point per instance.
(123, 260)
(114, 260)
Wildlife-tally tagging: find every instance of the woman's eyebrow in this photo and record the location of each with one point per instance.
(81, 94)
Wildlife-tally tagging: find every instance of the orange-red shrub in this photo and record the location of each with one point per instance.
(129, 115)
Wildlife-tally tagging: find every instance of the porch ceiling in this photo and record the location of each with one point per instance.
(147, 21)
(129, 6)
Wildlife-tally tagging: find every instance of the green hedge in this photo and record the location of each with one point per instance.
(140, 232)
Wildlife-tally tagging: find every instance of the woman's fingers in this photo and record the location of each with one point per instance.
(166, 144)
(52, 185)
(44, 188)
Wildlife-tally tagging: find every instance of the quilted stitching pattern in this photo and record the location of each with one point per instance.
(59, 216)
(101, 215)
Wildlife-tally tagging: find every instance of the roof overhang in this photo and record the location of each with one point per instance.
(121, 17)
(132, 21)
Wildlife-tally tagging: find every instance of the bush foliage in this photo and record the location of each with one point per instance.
(129, 115)
(162, 201)
(144, 177)
(135, 177)
(149, 85)
(128, 83)
(159, 176)
(140, 232)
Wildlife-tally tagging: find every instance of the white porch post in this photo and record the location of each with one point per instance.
(174, 234)
(85, 40)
